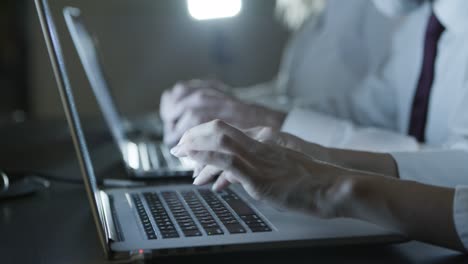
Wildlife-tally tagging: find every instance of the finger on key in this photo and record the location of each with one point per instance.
(208, 174)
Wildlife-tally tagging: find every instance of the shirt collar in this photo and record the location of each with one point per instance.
(453, 14)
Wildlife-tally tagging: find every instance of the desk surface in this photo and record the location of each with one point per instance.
(55, 226)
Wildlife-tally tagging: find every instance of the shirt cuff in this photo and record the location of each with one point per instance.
(460, 214)
(447, 168)
(330, 131)
(315, 127)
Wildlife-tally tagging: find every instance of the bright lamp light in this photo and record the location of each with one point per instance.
(212, 9)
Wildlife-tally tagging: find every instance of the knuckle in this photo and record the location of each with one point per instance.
(180, 89)
(197, 118)
(218, 125)
(194, 154)
(224, 140)
(228, 161)
(190, 112)
(199, 96)
(186, 136)
(193, 114)
(235, 161)
(211, 155)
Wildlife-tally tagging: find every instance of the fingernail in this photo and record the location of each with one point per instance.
(214, 188)
(197, 181)
(175, 150)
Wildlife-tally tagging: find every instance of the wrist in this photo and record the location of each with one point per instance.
(332, 199)
(369, 200)
(341, 196)
(353, 195)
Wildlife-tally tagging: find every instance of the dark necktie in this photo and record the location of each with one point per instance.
(420, 107)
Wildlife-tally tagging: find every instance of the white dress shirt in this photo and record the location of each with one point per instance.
(325, 55)
(379, 110)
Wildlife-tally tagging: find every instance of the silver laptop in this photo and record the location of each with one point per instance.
(144, 154)
(147, 222)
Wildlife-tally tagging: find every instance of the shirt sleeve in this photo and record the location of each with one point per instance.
(460, 213)
(330, 131)
(367, 120)
(446, 168)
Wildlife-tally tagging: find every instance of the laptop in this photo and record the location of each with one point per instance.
(145, 155)
(168, 219)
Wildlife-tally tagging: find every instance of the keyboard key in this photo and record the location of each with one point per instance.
(170, 234)
(206, 220)
(260, 229)
(160, 216)
(179, 207)
(183, 218)
(245, 212)
(235, 228)
(224, 215)
(192, 233)
(212, 231)
(146, 223)
(240, 207)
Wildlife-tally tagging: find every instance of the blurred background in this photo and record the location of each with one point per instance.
(146, 45)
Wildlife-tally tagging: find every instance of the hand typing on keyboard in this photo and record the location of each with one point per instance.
(265, 170)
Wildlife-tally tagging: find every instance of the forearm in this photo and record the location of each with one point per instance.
(423, 212)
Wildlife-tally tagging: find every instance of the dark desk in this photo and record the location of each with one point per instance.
(55, 226)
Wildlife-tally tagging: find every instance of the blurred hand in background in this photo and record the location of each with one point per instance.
(192, 103)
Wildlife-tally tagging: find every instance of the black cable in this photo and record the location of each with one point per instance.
(47, 176)
(17, 174)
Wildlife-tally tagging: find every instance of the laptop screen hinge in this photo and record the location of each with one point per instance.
(112, 234)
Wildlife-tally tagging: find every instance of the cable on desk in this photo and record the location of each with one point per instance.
(54, 178)
(20, 183)
(46, 176)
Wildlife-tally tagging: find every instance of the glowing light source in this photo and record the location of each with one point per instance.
(212, 9)
(133, 156)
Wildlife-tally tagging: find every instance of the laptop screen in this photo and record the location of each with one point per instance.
(88, 53)
(67, 96)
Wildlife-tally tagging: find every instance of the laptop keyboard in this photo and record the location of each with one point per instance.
(183, 218)
(204, 217)
(160, 216)
(248, 216)
(223, 214)
(196, 213)
(144, 218)
(254, 222)
(156, 156)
